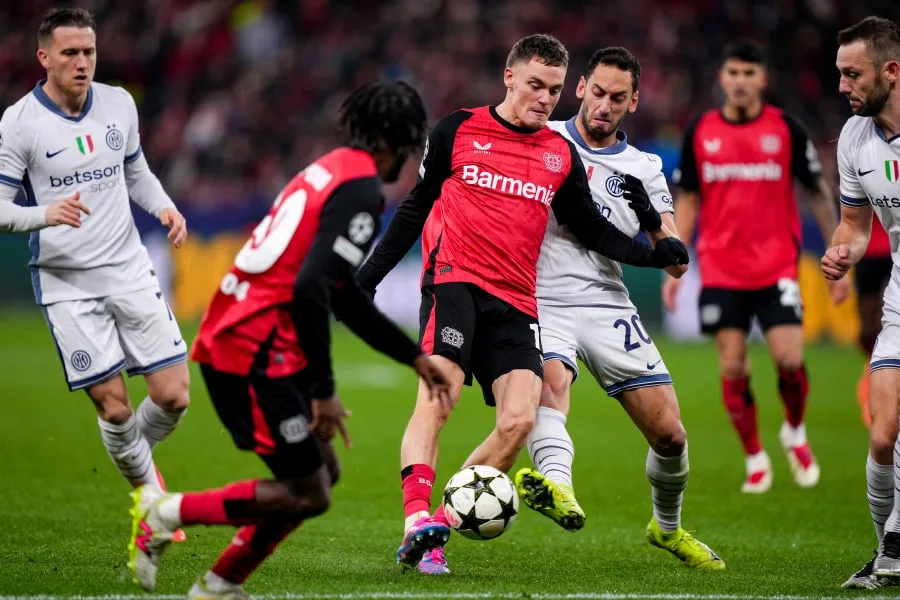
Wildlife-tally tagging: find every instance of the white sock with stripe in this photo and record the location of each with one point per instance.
(155, 423)
(129, 451)
(880, 493)
(550, 446)
(668, 476)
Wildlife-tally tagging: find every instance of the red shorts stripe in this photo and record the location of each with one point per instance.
(261, 434)
(428, 333)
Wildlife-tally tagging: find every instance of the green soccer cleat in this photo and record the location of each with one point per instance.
(555, 500)
(691, 551)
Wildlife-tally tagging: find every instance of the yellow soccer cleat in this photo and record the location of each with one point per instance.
(555, 500)
(691, 551)
(149, 536)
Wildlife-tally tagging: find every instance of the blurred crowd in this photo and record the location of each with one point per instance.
(236, 95)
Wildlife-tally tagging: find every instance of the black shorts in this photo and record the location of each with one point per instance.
(872, 274)
(481, 333)
(778, 304)
(269, 416)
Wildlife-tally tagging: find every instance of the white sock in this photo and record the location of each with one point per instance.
(214, 583)
(411, 519)
(169, 510)
(893, 522)
(880, 492)
(550, 446)
(129, 450)
(156, 424)
(668, 477)
(794, 436)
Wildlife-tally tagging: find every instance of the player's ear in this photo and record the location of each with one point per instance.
(508, 78)
(43, 58)
(892, 71)
(634, 102)
(579, 91)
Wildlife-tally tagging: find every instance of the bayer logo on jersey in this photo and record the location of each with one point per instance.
(614, 185)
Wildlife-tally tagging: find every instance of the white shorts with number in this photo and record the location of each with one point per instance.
(609, 339)
(97, 338)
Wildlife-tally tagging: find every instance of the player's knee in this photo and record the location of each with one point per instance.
(305, 502)
(435, 413)
(174, 396)
(514, 428)
(113, 409)
(882, 437)
(733, 368)
(671, 441)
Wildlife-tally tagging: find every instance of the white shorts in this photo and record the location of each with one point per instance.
(97, 338)
(610, 340)
(886, 354)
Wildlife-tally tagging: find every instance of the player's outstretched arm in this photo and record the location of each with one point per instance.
(409, 220)
(851, 238)
(574, 207)
(326, 282)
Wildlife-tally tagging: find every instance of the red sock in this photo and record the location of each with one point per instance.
(234, 504)
(417, 481)
(742, 410)
(440, 516)
(251, 545)
(793, 386)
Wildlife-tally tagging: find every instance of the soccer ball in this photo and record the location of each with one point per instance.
(480, 502)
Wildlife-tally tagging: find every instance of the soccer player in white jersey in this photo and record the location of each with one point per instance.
(72, 146)
(869, 166)
(585, 312)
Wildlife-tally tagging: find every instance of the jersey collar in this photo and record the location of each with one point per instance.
(50, 105)
(617, 148)
(880, 133)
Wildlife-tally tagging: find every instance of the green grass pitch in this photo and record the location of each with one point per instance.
(64, 523)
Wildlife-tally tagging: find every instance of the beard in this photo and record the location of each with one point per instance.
(876, 101)
(602, 131)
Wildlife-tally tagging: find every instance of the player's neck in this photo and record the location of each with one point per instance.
(593, 142)
(888, 120)
(741, 114)
(506, 112)
(70, 105)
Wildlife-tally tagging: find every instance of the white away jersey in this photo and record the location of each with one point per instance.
(568, 273)
(51, 155)
(869, 167)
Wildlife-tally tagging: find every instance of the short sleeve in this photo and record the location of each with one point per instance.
(657, 187)
(14, 152)
(133, 139)
(852, 192)
(686, 175)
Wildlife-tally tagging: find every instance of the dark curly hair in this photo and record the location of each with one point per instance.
(384, 112)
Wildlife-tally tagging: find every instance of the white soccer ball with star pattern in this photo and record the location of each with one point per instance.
(480, 502)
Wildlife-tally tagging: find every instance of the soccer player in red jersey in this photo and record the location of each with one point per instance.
(873, 272)
(264, 347)
(737, 172)
(494, 173)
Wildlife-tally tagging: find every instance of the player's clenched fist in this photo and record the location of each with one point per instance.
(435, 378)
(670, 251)
(175, 221)
(836, 262)
(67, 211)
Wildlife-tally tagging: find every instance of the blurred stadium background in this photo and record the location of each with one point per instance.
(236, 96)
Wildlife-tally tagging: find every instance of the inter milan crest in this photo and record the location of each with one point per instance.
(114, 138)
